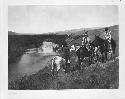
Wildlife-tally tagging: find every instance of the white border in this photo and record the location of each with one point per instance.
(74, 94)
(59, 2)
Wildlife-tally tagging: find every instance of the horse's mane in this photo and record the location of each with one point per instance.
(99, 38)
(103, 40)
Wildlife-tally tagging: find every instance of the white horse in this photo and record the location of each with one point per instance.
(72, 48)
(58, 63)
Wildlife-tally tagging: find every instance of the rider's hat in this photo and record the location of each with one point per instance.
(106, 29)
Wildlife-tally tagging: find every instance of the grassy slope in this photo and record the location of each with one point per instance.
(96, 76)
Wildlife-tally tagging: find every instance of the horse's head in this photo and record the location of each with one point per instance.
(97, 37)
(96, 40)
(99, 40)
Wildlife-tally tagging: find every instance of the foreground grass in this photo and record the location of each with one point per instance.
(95, 76)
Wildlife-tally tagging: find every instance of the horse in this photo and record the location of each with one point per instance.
(57, 63)
(74, 62)
(103, 46)
(82, 53)
(91, 49)
(96, 52)
(66, 56)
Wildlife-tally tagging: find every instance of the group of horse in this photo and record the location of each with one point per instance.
(96, 51)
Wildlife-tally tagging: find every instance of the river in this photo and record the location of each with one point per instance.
(29, 64)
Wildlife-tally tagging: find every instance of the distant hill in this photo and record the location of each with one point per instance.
(11, 33)
(79, 31)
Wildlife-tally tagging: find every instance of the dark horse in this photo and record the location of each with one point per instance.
(66, 56)
(103, 46)
(82, 53)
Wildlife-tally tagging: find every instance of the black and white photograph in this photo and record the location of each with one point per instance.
(60, 47)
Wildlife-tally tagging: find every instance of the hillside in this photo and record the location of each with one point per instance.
(95, 76)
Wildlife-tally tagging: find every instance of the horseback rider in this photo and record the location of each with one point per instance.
(85, 38)
(108, 37)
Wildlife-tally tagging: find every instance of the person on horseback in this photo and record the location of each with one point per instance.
(108, 37)
(85, 38)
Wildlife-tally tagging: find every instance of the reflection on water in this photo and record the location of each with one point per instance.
(30, 63)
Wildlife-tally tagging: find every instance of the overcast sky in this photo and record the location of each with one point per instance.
(43, 19)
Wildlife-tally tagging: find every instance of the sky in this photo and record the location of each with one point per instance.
(35, 19)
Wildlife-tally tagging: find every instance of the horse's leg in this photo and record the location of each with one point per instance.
(102, 57)
(113, 53)
(80, 63)
(89, 60)
(92, 59)
(67, 64)
(53, 70)
(53, 66)
(58, 67)
(95, 58)
(99, 58)
(110, 55)
(84, 60)
(106, 56)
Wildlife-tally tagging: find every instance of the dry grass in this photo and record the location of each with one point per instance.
(95, 76)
